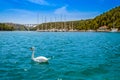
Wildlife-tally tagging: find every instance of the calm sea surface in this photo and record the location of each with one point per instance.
(74, 56)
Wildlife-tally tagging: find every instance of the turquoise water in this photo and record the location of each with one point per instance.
(74, 56)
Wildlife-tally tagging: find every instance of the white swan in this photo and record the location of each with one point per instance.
(40, 59)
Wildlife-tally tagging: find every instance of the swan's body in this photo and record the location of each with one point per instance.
(39, 59)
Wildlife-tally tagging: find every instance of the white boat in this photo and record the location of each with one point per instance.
(114, 29)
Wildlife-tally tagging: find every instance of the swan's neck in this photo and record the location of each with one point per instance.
(33, 55)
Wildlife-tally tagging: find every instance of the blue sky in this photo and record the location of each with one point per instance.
(28, 11)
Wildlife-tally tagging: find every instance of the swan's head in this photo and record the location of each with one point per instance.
(32, 48)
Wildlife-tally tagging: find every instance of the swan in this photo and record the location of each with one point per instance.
(40, 59)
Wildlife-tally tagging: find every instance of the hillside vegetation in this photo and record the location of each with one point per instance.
(12, 27)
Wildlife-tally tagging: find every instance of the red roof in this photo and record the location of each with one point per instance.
(103, 27)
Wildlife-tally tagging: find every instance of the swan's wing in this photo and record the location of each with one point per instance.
(41, 59)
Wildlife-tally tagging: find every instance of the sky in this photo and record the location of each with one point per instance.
(39, 11)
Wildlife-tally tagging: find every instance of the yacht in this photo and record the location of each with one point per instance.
(114, 29)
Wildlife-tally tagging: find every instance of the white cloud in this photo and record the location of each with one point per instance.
(41, 2)
(61, 10)
(18, 11)
(18, 16)
(74, 15)
(26, 16)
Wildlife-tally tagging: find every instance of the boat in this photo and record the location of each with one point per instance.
(114, 29)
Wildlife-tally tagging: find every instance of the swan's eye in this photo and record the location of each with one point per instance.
(31, 48)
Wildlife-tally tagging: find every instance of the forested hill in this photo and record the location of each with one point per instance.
(5, 27)
(109, 18)
(12, 27)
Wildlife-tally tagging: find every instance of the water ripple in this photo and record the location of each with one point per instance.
(74, 56)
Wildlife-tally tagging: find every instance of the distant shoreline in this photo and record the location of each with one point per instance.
(59, 31)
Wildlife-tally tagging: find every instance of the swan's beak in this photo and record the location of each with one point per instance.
(32, 48)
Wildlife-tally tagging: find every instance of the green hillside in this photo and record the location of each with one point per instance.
(5, 27)
(109, 18)
(12, 27)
